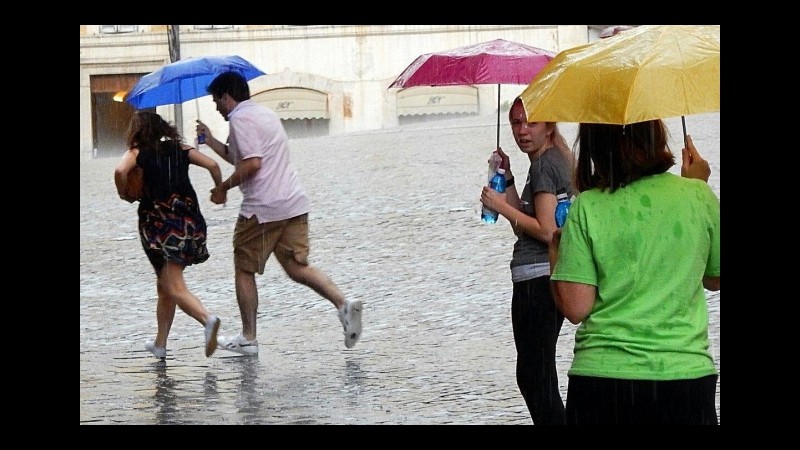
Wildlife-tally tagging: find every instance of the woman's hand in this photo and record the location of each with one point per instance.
(694, 166)
(505, 164)
(491, 198)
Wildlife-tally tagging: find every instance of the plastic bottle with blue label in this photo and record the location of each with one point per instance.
(562, 208)
(498, 183)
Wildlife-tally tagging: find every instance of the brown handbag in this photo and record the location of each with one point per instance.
(135, 185)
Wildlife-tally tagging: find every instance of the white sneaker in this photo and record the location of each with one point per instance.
(350, 316)
(212, 327)
(158, 352)
(238, 344)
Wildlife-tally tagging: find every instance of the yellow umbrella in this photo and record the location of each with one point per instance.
(648, 72)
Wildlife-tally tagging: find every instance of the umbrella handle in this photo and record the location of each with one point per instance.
(197, 110)
(685, 141)
(197, 99)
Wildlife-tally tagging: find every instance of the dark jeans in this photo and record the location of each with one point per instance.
(611, 401)
(536, 323)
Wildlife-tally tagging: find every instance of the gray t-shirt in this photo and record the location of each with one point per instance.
(551, 172)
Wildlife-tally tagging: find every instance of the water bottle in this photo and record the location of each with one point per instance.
(562, 208)
(498, 183)
(201, 138)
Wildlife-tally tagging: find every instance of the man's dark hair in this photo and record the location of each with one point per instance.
(230, 83)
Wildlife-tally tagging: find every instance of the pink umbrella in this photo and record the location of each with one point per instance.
(494, 62)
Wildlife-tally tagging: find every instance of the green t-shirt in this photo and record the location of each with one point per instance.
(646, 248)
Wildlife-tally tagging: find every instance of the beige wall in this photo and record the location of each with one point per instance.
(353, 64)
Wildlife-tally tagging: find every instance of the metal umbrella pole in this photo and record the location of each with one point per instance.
(173, 40)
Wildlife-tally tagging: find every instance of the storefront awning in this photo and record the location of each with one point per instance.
(295, 103)
(437, 100)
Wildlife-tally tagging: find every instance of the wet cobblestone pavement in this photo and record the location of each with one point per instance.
(395, 223)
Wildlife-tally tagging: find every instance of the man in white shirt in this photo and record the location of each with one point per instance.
(274, 213)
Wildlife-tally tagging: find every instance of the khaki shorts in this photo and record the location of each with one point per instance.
(253, 242)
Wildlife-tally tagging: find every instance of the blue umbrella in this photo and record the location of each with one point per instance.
(186, 79)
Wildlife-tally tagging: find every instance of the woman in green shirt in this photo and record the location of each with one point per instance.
(639, 247)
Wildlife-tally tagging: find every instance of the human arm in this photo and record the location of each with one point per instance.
(711, 283)
(220, 148)
(536, 220)
(244, 170)
(508, 201)
(540, 227)
(511, 189)
(125, 164)
(206, 162)
(512, 195)
(711, 275)
(693, 165)
(574, 300)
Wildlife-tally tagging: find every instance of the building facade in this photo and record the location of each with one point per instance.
(320, 79)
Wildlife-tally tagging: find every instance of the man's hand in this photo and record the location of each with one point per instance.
(201, 128)
(219, 195)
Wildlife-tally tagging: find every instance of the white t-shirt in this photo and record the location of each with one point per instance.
(274, 193)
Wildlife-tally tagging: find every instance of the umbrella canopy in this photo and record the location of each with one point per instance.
(613, 31)
(186, 79)
(493, 62)
(649, 72)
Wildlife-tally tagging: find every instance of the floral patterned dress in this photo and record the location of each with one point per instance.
(171, 226)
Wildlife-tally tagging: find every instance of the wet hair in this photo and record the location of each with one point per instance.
(560, 142)
(231, 83)
(146, 129)
(614, 156)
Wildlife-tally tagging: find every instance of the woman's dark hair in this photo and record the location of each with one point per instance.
(231, 83)
(146, 130)
(614, 156)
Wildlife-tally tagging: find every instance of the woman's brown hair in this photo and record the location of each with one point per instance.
(147, 128)
(614, 156)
